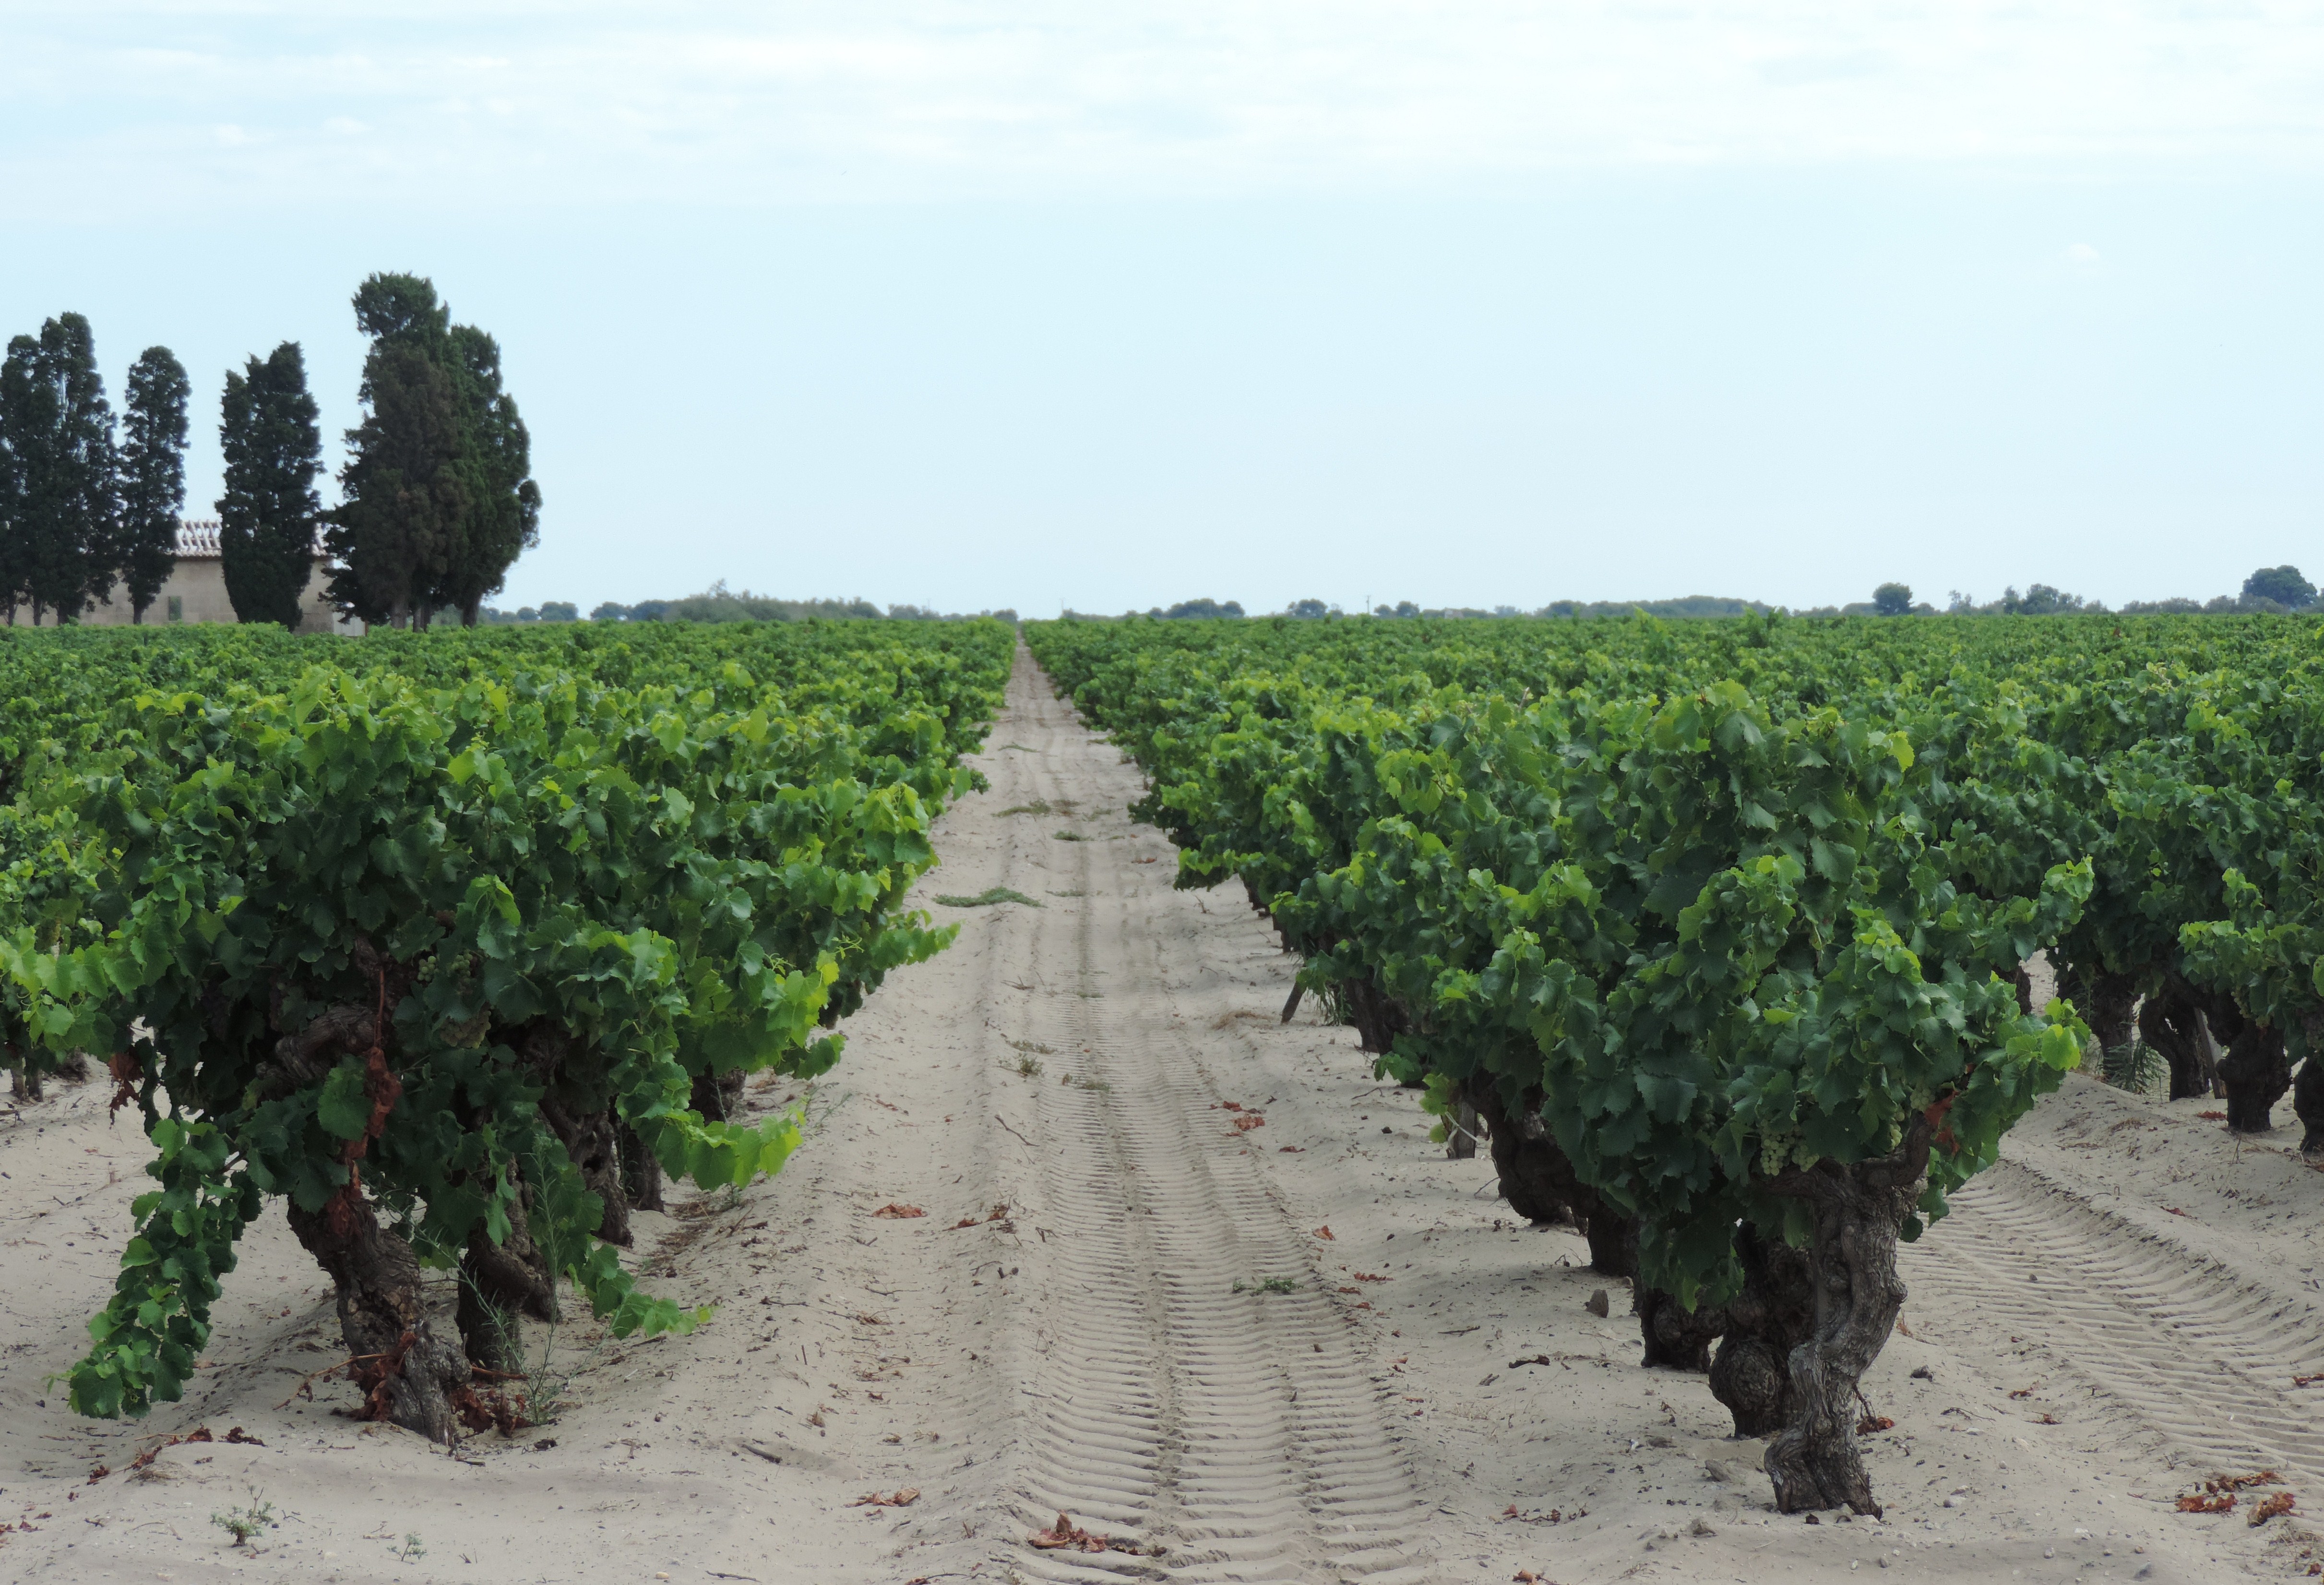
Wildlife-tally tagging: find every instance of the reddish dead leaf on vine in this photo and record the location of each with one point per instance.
(126, 1072)
(895, 1212)
(2281, 1503)
(1935, 1113)
(903, 1497)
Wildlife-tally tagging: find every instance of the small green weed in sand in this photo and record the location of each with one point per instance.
(1069, 836)
(248, 1520)
(1271, 1285)
(1038, 806)
(987, 897)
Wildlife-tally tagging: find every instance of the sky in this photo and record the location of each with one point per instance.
(1044, 305)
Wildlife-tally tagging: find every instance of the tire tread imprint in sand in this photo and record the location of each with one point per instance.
(1239, 1431)
(2165, 1341)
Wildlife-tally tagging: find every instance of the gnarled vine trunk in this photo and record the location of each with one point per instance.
(410, 1373)
(1535, 1177)
(2171, 1022)
(1673, 1335)
(593, 1140)
(1378, 1017)
(640, 1172)
(2256, 1072)
(1859, 1210)
(1773, 1314)
(498, 1283)
(2307, 1101)
(1539, 1182)
(1460, 1129)
(2112, 998)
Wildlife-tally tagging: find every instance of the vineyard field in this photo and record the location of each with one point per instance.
(976, 1118)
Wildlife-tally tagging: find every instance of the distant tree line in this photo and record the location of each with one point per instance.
(1312, 610)
(720, 604)
(436, 495)
(2271, 591)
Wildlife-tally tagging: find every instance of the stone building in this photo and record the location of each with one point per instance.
(196, 591)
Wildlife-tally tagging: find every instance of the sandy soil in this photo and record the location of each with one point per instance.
(2119, 1309)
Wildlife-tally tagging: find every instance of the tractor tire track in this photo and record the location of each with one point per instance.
(1227, 1431)
(2166, 1343)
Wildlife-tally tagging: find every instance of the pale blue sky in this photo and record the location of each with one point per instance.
(975, 305)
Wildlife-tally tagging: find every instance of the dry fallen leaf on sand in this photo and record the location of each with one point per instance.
(1066, 1535)
(902, 1498)
(895, 1212)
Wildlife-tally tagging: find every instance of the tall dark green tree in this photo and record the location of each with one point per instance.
(503, 518)
(270, 513)
(153, 475)
(60, 493)
(2284, 585)
(26, 420)
(392, 536)
(437, 497)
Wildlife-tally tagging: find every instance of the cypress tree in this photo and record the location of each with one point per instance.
(504, 502)
(403, 489)
(268, 516)
(405, 497)
(60, 492)
(25, 421)
(438, 500)
(153, 474)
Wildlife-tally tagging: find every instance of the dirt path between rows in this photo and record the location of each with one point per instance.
(1191, 1277)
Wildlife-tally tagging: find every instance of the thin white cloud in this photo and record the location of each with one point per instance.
(104, 105)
